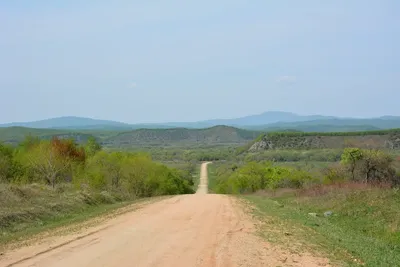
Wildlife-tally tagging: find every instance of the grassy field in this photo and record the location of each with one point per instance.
(196, 177)
(212, 176)
(364, 227)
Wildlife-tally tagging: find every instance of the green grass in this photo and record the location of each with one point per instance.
(365, 224)
(212, 177)
(196, 178)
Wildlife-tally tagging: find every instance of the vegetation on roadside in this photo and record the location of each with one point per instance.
(349, 208)
(354, 222)
(44, 179)
(33, 208)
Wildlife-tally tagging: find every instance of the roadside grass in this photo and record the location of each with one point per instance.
(28, 210)
(364, 228)
(212, 177)
(196, 177)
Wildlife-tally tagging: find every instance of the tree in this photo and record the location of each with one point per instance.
(105, 169)
(370, 165)
(92, 146)
(29, 142)
(350, 157)
(46, 162)
(68, 149)
(6, 162)
(51, 161)
(376, 167)
(251, 177)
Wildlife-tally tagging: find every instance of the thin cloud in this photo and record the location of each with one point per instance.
(132, 85)
(286, 79)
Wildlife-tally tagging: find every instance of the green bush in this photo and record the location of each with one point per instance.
(57, 162)
(369, 166)
(254, 176)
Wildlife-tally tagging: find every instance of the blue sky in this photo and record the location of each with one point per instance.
(158, 61)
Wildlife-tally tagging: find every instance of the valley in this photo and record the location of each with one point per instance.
(273, 179)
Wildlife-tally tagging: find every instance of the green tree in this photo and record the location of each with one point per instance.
(350, 157)
(92, 146)
(46, 163)
(29, 142)
(104, 170)
(377, 167)
(6, 163)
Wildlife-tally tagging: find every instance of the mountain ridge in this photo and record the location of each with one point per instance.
(264, 121)
(64, 122)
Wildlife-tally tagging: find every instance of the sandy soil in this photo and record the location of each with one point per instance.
(187, 230)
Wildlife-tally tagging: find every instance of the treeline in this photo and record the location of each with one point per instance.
(88, 167)
(322, 155)
(299, 134)
(356, 165)
(230, 154)
(185, 154)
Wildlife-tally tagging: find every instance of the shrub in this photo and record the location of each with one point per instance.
(370, 166)
(253, 177)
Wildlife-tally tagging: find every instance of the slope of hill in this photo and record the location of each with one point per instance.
(15, 135)
(336, 124)
(265, 118)
(164, 137)
(181, 136)
(69, 122)
(316, 128)
(389, 139)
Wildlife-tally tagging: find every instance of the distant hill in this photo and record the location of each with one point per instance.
(139, 137)
(267, 121)
(318, 128)
(69, 122)
(182, 136)
(334, 125)
(80, 123)
(14, 135)
(266, 118)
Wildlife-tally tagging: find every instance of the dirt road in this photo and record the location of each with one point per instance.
(203, 185)
(187, 230)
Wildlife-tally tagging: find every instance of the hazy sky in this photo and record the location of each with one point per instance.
(157, 61)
